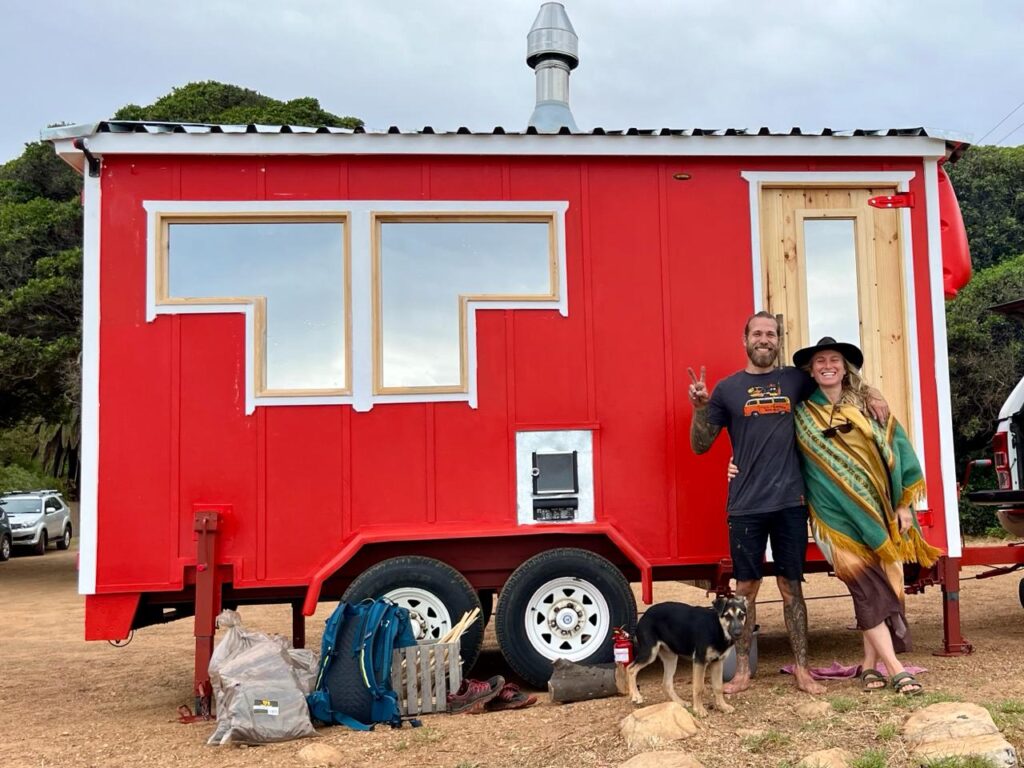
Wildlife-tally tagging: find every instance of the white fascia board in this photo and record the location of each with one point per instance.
(947, 462)
(90, 408)
(515, 144)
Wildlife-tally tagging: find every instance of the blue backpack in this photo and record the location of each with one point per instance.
(353, 686)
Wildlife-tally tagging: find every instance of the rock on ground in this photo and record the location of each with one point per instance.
(827, 758)
(662, 760)
(319, 755)
(954, 728)
(654, 725)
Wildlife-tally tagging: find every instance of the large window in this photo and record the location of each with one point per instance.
(432, 271)
(292, 271)
(355, 301)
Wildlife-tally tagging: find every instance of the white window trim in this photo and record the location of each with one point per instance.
(359, 220)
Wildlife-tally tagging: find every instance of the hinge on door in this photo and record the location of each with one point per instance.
(899, 200)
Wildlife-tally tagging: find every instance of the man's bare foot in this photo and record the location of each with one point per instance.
(738, 684)
(806, 683)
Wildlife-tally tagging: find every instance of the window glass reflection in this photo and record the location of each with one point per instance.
(298, 267)
(830, 261)
(425, 267)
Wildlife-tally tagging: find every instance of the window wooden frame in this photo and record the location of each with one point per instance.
(162, 298)
(379, 218)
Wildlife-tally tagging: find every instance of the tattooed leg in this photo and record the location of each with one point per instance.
(741, 677)
(795, 612)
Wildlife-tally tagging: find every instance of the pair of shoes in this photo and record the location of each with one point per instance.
(510, 697)
(906, 684)
(473, 695)
(872, 680)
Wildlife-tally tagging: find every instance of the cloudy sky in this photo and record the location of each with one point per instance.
(448, 63)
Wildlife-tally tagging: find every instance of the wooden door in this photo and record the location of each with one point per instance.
(833, 266)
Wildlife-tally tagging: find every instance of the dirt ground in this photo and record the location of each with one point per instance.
(65, 702)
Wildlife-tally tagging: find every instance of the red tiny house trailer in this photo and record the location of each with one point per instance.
(659, 251)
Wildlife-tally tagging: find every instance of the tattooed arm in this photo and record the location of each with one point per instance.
(702, 431)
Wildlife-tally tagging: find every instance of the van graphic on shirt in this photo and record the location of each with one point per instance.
(766, 400)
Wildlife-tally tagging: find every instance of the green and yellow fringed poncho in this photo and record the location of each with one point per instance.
(856, 479)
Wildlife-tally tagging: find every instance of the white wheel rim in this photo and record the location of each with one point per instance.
(567, 618)
(429, 616)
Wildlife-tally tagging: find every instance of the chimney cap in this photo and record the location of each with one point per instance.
(552, 36)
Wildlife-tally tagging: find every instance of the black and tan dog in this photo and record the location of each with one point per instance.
(705, 635)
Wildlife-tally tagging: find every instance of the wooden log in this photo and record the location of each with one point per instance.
(580, 682)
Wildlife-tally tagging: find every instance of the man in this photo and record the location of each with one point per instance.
(766, 499)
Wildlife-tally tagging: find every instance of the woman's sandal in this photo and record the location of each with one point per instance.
(903, 681)
(872, 680)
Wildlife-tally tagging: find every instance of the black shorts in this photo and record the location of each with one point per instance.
(748, 538)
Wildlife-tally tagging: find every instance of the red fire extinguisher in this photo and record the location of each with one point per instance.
(623, 645)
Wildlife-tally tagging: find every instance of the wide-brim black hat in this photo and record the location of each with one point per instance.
(852, 354)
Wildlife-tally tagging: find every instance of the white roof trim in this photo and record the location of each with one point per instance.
(492, 144)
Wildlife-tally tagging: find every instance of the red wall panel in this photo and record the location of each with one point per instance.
(659, 278)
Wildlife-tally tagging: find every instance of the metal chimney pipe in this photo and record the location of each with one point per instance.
(552, 50)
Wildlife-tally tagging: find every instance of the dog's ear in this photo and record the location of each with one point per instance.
(719, 605)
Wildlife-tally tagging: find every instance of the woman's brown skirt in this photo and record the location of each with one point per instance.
(877, 591)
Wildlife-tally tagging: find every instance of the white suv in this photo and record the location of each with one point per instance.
(37, 518)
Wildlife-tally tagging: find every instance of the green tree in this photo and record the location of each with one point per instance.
(213, 102)
(986, 353)
(41, 271)
(989, 182)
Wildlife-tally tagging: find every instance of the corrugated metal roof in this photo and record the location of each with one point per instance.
(145, 126)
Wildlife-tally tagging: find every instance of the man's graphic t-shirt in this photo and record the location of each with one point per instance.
(757, 411)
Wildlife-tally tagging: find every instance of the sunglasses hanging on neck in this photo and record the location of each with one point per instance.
(832, 431)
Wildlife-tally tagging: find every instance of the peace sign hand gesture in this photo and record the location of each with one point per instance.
(699, 394)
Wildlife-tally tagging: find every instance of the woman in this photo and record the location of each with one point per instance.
(862, 479)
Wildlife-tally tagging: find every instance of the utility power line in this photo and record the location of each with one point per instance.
(1008, 115)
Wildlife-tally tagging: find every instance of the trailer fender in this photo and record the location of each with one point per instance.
(354, 545)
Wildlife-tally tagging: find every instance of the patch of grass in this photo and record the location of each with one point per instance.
(400, 745)
(966, 761)
(887, 731)
(427, 735)
(843, 704)
(467, 764)
(765, 742)
(873, 758)
(1011, 707)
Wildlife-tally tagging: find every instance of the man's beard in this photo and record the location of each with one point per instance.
(762, 358)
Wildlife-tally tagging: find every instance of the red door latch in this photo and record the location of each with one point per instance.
(899, 200)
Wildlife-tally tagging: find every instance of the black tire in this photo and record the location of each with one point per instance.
(440, 581)
(64, 542)
(40, 547)
(1020, 592)
(584, 576)
(5, 548)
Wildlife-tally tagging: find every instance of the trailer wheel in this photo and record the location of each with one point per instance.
(435, 594)
(561, 604)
